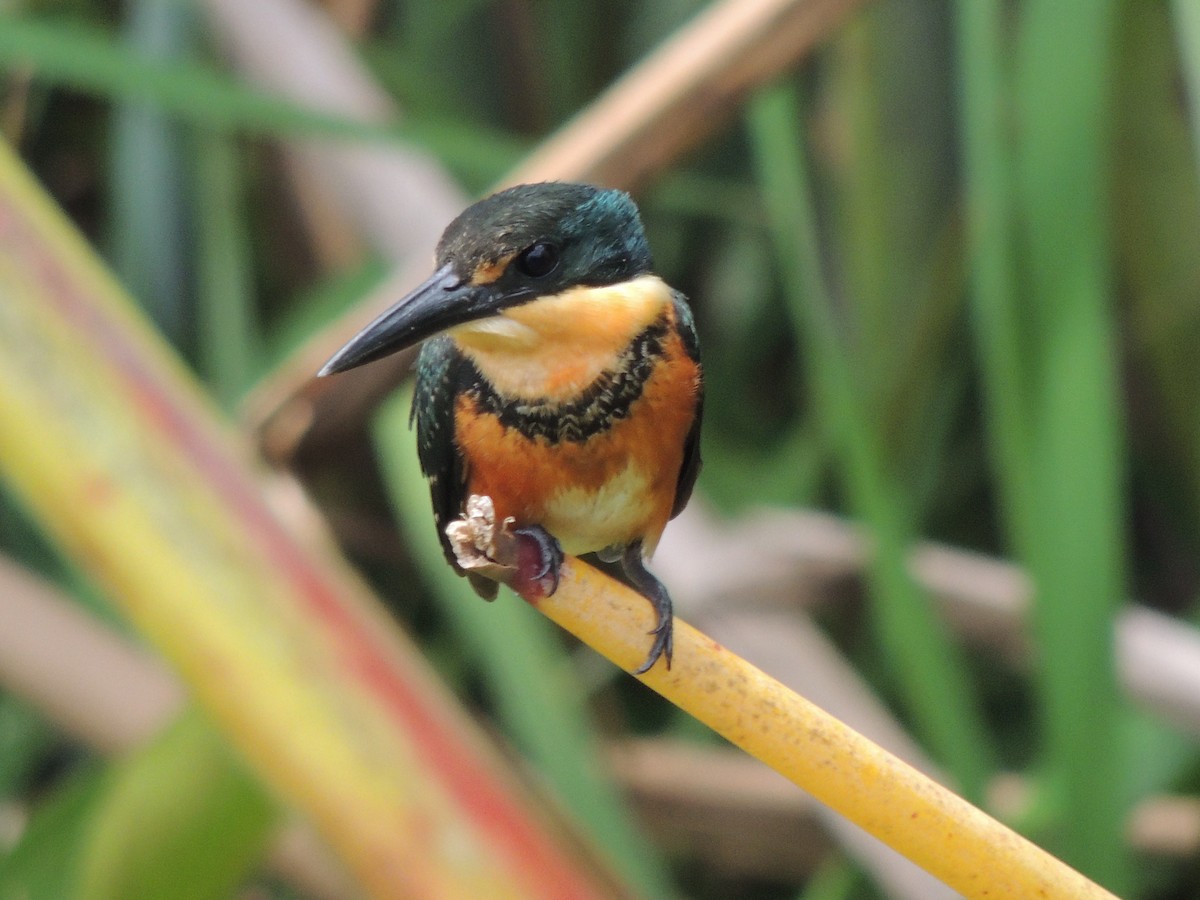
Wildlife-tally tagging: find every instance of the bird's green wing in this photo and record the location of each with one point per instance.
(441, 370)
(690, 469)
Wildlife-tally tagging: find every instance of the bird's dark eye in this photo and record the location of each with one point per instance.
(539, 260)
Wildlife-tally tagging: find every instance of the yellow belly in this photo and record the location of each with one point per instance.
(584, 520)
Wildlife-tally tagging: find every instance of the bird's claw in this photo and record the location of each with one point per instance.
(529, 559)
(664, 646)
(652, 589)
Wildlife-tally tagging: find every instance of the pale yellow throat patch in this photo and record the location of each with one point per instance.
(555, 346)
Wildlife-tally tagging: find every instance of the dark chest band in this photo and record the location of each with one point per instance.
(605, 401)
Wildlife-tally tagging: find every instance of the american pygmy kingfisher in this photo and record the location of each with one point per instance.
(561, 378)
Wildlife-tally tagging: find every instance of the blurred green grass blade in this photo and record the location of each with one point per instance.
(567, 66)
(891, 196)
(478, 155)
(835, 879)
(1166, 757)
(990, 183)
(736, 478)
(530, 677)
(44, 865)
(315, 309)
(1158, 196)
(226, 313)
(148, 219)
(24, 739)
(179, 820)
(1048, 353)
(754, 454)
(895, 226)
(688, 193)
(1076, 529)
(88, 59)
(1187, 32)
(21, 539)
(432, 58)
(930, 672)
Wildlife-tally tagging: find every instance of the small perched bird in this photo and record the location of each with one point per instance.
(561, 378)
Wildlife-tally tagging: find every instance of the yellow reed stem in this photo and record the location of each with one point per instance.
(935, 828)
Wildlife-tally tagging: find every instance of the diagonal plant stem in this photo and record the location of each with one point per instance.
(930, 825)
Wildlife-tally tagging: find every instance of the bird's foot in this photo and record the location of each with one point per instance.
(527, 559)
(664, 641)
(652, 589)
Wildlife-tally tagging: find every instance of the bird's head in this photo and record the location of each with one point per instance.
(530, 242)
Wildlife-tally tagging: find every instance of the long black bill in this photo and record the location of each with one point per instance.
(442, 302)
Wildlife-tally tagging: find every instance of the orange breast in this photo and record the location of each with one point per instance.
(611, 489)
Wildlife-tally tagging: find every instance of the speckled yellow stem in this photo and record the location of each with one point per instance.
(935, 828)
